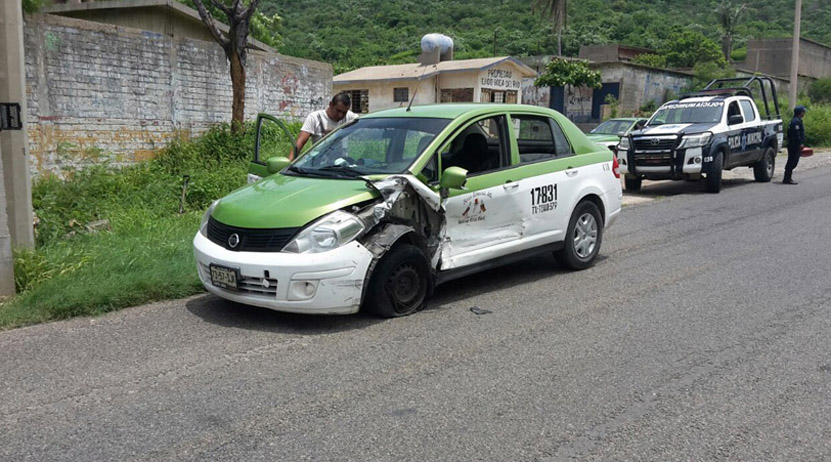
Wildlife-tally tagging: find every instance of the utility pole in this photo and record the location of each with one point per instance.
(795, 55)
(17, 204)
(6, 259)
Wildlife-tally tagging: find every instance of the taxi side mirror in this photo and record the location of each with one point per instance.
(275, 164)
(453, 178)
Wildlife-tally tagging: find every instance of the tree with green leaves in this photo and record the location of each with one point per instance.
(651, 60)
(729, 15)
(557, 12)
(239, 21)
(687, 48)
(33, 6)
(561, 72)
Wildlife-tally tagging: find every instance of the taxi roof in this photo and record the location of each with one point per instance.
(454, 110)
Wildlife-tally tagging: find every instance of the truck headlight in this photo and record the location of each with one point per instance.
(328, 233)
(695, 141)
(203, 226)
(624, 144)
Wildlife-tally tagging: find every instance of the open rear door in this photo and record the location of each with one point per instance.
(273, 140)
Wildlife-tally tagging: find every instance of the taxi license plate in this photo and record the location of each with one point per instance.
(222, 276)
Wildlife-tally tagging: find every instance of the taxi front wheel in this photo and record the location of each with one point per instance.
(583, 237)
(400, 284)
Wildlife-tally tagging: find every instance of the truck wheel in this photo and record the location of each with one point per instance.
(632, 183)
(401, 283)
(583, 237)
(714, 176)
(763, 170)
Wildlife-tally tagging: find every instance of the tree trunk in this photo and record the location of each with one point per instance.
(727, 46)
(560, 42)
(238, 84)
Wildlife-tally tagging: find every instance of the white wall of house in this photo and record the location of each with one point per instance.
(504, 78)
(381, 94)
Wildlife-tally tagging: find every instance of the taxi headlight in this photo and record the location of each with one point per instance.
(695, 141)
(203, 226)
(330, 232)
(624, 144)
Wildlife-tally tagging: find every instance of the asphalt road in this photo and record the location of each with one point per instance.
(703, 333)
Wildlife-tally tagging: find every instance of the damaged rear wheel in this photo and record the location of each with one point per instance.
(400, 283)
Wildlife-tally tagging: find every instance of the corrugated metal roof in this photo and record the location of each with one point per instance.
(417, 71)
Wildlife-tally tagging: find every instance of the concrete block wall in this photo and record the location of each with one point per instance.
(640, 84)
(99, 92)
(773, 57)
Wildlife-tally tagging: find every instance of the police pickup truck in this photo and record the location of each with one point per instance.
(702, 134)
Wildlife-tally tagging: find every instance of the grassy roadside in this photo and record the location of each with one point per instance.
(143, 251)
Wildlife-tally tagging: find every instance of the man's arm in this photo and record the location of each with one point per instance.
(305, 133)
(302, 138)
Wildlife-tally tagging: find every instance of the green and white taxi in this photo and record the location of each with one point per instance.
(380, 211)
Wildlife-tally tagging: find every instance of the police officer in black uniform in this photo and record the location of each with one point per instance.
(796, 140)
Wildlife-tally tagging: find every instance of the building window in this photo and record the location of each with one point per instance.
(457, 95)
(498, 96)
(360, 101)
(401, 95)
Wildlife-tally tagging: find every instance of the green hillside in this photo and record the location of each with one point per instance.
(355, 33)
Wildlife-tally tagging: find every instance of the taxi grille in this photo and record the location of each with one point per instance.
(250, 240)
(247, 284)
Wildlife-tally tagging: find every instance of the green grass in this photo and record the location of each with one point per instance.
(91, 275)
(146, 254)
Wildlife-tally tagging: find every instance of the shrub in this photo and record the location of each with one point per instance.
(818, 125)
(651, 60)
(707, 71)
(820, 91)
(614, 105)
(739, 54)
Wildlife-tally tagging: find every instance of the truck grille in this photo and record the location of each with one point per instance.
(250, 240)
(662, 159)
(655, 144)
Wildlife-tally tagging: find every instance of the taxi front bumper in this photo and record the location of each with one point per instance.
(319, 283)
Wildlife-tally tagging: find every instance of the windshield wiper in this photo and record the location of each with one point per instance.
(296, 169)
(342, 168)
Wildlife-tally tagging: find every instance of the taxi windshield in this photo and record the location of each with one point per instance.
(370, 146)
(688, 113)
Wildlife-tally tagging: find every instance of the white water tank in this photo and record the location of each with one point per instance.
(432, 41)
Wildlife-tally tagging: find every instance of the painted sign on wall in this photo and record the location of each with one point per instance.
(578, 102)
(502, 79)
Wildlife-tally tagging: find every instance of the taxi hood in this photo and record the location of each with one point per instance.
(283, 201)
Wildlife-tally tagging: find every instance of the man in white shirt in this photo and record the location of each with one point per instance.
(319, 123)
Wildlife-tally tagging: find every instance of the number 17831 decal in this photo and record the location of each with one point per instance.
(543, 198)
